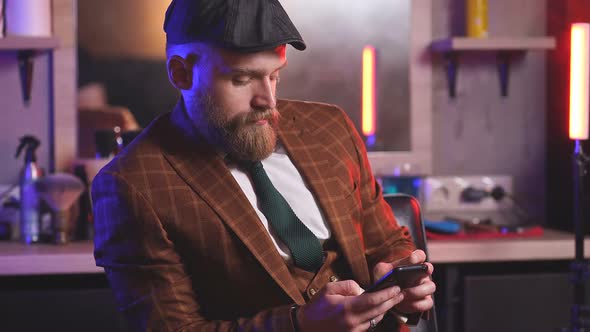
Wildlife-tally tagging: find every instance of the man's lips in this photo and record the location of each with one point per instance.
(262, 118)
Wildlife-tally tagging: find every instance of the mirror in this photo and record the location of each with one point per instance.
(331, 70)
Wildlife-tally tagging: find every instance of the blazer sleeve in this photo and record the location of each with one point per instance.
(151, 286)
(384, 239)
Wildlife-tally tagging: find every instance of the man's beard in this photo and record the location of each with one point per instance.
(240, 137)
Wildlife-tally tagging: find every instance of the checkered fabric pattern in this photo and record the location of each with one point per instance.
(184, 250)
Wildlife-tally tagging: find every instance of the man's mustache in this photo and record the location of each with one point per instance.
(253, 116)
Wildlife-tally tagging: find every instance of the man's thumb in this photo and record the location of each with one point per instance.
(381, 269)
(344, 288)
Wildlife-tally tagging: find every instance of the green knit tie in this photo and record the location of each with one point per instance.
(305, 247)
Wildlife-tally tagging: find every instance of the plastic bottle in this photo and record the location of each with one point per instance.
(477, 18)
(29, 199)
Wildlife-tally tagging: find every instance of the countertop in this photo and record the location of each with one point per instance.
(77, 258)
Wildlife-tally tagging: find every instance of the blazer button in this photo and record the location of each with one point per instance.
(333, 278)
(312, 291)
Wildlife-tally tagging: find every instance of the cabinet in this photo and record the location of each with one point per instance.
(506, 49)
(512, 269)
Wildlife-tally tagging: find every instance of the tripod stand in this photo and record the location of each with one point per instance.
(580, 268)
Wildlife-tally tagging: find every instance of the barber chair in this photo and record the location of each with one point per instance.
(407, 213)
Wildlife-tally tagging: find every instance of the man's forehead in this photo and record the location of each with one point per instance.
(280, 51)
(274, 58)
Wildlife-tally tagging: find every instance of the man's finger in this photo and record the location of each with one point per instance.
(416, 306)
(373, 306)
(369, 300)
(420, 291)
(418, 256)
(367, 325)
(344, 288)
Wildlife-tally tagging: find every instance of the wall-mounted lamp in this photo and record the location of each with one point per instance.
(579, 81)
(368, 94)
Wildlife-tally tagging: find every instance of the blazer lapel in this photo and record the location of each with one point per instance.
(204, 170)
(316, 164)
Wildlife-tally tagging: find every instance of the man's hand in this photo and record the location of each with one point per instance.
(419, 297)
(342, 306)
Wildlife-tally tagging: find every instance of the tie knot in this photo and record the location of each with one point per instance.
(251, 166)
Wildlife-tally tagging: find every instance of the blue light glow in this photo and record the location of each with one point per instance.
(371, 140)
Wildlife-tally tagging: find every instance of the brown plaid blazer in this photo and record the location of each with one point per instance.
(184, 250)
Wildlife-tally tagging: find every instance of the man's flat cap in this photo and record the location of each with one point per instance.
(239, 25)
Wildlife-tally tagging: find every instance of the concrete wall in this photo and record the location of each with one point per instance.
(479, 132)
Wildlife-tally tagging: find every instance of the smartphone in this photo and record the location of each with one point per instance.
(403, 276)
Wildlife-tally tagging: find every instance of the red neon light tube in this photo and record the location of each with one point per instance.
(368, 107)
(579, 81)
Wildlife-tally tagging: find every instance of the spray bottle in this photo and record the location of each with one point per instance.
(29, 199)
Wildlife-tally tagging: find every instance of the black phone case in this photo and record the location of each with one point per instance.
(402, 276)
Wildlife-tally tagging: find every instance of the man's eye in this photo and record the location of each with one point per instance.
(241, 80)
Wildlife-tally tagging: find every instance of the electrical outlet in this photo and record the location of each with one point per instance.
(443, 193)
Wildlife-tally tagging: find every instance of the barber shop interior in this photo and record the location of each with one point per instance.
(295, 165)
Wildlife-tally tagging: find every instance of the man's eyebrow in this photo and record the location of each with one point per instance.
(253, 72)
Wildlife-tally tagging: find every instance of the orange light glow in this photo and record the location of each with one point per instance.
(368, 108)
(579, 81)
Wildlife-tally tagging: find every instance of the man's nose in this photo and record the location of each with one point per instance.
(264, 97)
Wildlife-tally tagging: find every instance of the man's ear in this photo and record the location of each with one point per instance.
(180, 72)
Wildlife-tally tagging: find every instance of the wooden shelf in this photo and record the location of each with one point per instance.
(505, 47)
(493, 44)
(28, 43)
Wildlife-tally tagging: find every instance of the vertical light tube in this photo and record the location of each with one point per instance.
(579, 81)
(368, 107)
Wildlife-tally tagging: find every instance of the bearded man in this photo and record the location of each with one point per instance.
(238, 211)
